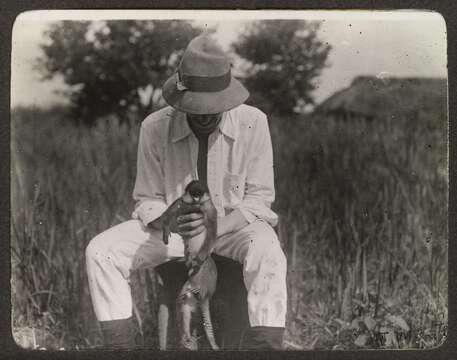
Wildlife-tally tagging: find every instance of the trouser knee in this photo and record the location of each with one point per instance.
(266, 247)
(94, 249)
(100, 253)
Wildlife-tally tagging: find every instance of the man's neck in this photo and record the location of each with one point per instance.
(201, 130)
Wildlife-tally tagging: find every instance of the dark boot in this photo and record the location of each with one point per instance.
(263, 338)
(118, 334)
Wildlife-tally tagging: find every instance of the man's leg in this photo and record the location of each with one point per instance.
(264, 268)
(110, 257)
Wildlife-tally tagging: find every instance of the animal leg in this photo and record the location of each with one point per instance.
(186, 306)
(207, 324)
(163, 326)
(163, 315)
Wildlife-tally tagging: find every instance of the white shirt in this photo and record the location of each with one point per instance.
(240, 164)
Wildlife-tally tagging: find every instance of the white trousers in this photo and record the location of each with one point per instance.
(113, 254)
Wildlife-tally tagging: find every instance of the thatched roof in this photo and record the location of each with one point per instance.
(371, 97)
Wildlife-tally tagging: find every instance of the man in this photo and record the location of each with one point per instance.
(207, 133)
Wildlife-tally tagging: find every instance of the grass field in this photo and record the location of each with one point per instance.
(363, 221)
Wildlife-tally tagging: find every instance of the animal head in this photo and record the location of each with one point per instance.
(196, 192)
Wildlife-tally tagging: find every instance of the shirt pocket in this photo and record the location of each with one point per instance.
(233, 189)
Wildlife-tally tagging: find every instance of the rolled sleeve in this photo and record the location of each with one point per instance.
(149, 190)
(259, 187)
(149, 210)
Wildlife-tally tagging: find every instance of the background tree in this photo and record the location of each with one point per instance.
(114, 66)
(280, 60)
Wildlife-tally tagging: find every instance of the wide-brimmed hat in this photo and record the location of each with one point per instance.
(203, 83)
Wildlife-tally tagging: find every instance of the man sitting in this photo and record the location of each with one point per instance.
(206, 133)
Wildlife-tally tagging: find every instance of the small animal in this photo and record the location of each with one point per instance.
(197, 291)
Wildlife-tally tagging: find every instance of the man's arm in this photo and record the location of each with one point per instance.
(230, 223)
(149, 190)
(259, 191)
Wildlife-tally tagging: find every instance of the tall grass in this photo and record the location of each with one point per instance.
(363, 223)
(68, 184)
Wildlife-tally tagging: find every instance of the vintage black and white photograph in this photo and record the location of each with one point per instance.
(229, 180)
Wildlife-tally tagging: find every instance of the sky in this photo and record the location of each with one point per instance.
(377, 43)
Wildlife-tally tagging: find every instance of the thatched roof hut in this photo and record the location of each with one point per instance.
(370, 97)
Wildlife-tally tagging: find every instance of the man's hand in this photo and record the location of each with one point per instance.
(191, 221)
(158, 224)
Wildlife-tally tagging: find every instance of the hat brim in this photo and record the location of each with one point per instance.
(204, 102)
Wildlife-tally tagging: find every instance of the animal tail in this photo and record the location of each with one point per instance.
(208, 325)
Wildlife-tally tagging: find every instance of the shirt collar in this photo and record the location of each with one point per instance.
(227, 125)
(180, 128)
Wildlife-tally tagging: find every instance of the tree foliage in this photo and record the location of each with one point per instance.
(282, 58)
(114, 66)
